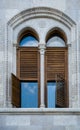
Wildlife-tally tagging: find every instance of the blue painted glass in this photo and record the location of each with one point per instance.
(29, 94)
(51, 94)
(29, 41)
(56, 42)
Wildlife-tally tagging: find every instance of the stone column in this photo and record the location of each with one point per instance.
(42, 52)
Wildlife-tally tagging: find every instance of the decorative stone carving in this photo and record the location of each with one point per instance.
(40, 12)
(42, 48)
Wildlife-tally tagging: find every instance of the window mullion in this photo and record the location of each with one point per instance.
(42, 52)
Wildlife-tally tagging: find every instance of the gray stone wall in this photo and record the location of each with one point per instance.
(41, 119)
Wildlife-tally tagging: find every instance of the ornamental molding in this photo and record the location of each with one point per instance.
(41, 12)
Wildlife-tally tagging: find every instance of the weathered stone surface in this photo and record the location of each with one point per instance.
(41, 119)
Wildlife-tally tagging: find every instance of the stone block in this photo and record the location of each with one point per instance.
(2, 120)
(41, 120)
(21, 120)
(52, 127)
(67, 120)
(8, 128)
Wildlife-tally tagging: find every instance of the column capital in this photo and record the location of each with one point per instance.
(42, 48)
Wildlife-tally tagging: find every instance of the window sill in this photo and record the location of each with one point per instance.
(40, 111)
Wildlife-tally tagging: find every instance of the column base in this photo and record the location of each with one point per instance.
(42, 106)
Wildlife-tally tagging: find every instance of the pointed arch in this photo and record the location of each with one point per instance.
(26, 32)
(56, 32)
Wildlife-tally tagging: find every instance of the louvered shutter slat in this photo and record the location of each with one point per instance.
(28, 68)
(28, 64)
(55, 62)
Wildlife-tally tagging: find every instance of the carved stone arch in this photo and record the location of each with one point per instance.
(56, 31)
(16, 24)
(26, 31)
(42, 12)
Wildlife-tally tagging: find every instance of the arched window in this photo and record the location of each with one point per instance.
(27, 72)
(29, 41)
(28, 85)
(55, 41)
(56, 69)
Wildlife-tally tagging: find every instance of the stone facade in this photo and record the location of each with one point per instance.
(42, 119)
(42, 16)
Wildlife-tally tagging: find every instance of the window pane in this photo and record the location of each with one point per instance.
(29, 94)
(56, 42)
(51, 94)
(29, 41)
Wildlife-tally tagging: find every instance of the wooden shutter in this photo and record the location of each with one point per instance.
(60, 91)
(56, 65)
(55, 62)
(16, 91)
(28, 63)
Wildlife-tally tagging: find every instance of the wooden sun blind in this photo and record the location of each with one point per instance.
(55, 62)
(28, 63)
(16, 91)
(60, 91)
(56, 70)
